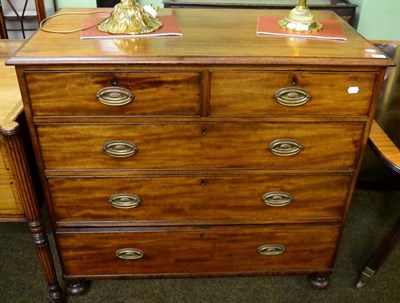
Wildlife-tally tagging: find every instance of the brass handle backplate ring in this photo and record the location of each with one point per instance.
(120, 149)
(129, 253)
(271, 249)
(292, 96)
(277, 199)
(115, 96)
(125, 201)
(285, 147)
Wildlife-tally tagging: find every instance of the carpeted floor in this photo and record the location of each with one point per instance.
(370, 218)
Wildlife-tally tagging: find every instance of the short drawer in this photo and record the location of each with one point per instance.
(229, 250)
(199, 146)
(199, 200)
(252, 93)
(105, 93)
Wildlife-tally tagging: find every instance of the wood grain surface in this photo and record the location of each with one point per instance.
(189, 200)
(211, 251)
(183, 146)
(209, 36)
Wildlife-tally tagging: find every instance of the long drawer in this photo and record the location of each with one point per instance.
(199, 145)
(233, 250)
(115, 93)
(251, 93)
(197, 199)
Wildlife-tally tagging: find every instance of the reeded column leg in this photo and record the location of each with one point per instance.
(319, 281)
(23, 176)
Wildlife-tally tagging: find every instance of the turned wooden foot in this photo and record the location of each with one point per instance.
(319, 282)
(77, 288)
(55, 293)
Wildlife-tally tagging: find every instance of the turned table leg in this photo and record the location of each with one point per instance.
(23, 177)
(380, 256)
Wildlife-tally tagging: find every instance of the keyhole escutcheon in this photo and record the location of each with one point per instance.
(294, 80)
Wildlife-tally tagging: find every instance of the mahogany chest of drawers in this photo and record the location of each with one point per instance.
(216, 153)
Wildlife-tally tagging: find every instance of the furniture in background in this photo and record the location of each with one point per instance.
(11, 110)
(18, 190)
(19, 19)
(384, 141)
(234, 157)
(343, 8)
(107, 3)
(3, 28)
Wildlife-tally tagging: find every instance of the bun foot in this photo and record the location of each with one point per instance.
(77, 288)
(319, 282)
(55, 293)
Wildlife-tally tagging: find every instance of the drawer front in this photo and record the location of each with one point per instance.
(254, 93)
(107, 93)
(197, 200)
(225, 145)
(198, 251)
(10, 201)
(10, 204)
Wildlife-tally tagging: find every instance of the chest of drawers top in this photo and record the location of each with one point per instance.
(209, 37)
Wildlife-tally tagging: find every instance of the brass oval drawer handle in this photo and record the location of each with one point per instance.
(114, 96)
(129, 253)
(271, 249)
(277, 199)
(125, 201)
(120, 149)
(285, 147)
(292, 96)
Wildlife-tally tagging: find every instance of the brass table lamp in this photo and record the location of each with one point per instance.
(300, 19)
(130, 17)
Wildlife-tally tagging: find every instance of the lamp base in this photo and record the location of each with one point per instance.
(130, 17)
(300, 19)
